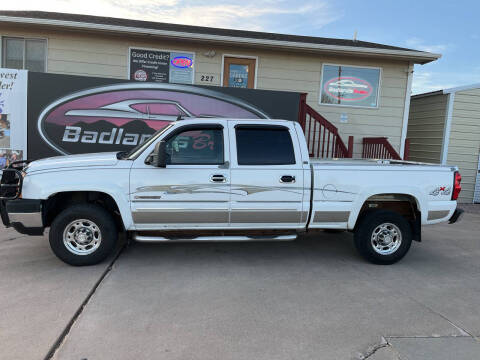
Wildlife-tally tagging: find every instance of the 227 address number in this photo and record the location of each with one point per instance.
(207, 78)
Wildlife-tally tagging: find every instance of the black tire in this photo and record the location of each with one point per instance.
(365, 243)
(101, 220)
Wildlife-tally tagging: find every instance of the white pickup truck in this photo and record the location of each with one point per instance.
(224, 180)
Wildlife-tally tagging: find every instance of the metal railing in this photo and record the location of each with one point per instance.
(322, 136)
(380, 148)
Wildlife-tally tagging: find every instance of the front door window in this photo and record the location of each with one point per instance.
(239, 72)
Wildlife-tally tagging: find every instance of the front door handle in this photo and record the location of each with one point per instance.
(287, 179)
(218, 178)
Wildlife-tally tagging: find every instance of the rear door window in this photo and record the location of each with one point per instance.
(264, 145)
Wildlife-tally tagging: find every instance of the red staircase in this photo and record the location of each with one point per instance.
(323, 140)
(322, 136)
(380, 148)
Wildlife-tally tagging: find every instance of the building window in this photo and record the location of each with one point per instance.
(350, 86)
(28, 54)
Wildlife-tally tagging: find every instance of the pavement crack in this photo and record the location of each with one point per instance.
(372, 350)
(428, 336)
(14, 238)
(64, 334)
(462, 331)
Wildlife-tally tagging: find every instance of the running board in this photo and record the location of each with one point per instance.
(142, 238)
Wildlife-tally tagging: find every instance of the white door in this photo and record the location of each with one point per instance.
(267, 178)
(193, 191)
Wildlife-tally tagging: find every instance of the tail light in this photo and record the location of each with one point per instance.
(457, 187)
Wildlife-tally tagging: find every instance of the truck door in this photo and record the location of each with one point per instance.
(193, 191)
(267, 177)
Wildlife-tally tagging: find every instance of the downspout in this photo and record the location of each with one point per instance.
(406, 109)
(446, 128)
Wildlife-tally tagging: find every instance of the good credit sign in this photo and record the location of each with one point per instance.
(161, 66)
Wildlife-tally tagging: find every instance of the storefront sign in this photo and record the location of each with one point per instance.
(182, 62)
(161, 66)
(119, 117)
(181, 68)
(13, 115)
(79, 114)
(345, 85)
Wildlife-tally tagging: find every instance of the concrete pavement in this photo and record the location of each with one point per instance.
(310, 299)
(38, 295)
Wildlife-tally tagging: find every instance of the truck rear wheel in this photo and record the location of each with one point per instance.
(383, 237)
(83, 234)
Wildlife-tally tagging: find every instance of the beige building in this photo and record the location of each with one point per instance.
(444, 127)
(362, 88)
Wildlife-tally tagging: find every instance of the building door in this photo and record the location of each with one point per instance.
(239, 72)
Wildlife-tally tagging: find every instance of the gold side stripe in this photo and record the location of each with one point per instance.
(437, 214)
(180, 217)
(268, 217)
(331, 216)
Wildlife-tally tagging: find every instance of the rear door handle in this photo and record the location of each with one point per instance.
(218, 178)
(287, 179)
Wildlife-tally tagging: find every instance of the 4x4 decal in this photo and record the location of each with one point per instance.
(441, 190)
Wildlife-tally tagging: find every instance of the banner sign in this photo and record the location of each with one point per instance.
(354, 86)
(161, 66)
(78, 114)
(13, 115)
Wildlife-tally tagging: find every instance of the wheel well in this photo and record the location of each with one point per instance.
(55, 204)
(403, 204)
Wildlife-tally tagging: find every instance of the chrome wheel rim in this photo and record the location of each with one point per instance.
(386, 238)
(82, 237)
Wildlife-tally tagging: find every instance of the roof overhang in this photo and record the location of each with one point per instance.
(447, 91)
(419, 57)
(461, 88)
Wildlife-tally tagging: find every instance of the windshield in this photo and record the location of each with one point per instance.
(137, 150)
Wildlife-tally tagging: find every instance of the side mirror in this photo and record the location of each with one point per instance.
(160, 154)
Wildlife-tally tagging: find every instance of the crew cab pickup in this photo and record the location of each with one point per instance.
(224, 180)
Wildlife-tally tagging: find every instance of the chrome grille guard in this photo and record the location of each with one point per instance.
(12, 180)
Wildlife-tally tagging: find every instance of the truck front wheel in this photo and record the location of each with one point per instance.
(83, 234)
(383, 237)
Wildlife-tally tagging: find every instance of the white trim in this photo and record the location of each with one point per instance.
(419, 56)
(406, 110)
(461, 88)
(240, 57)
(476, 192)
(447, 127)
(24, 38)
(380, 75)
(164, 50)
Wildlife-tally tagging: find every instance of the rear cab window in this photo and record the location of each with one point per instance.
(264, 145)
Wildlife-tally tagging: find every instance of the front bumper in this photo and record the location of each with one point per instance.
(457, 215)
(24, 215)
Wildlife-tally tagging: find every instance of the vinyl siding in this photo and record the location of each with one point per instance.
(464, 146)
(107, 56)
(426, 127)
